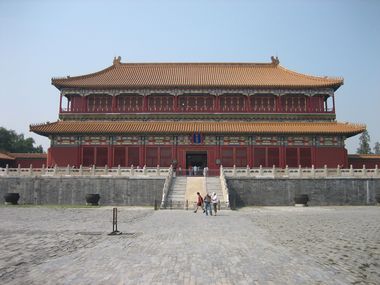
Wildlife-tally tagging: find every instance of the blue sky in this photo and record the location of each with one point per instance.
(44, 39)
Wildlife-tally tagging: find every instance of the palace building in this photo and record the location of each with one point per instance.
(203, 114)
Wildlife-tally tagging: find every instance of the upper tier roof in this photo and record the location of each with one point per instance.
(186, 127)
(196, 75)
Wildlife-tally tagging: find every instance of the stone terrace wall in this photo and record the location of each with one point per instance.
(322, 192)
(72, 190)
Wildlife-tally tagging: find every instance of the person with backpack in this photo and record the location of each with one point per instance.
(207, 201)
(199, 202)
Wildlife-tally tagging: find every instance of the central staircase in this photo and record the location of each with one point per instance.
(183, 191)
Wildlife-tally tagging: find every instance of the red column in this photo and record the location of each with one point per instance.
(145, 105)
(175, 103)
(333, 98)
(60, 103)
(247, 102)
(217, 101)
(142, 154)
(110, 156)
(249, 155)
(278, 104)
(282, 161)
(174, 149)
(113, 104)
(85, 98)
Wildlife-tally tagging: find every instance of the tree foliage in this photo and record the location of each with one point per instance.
(10, 141)
(364, 140)
(376, 148)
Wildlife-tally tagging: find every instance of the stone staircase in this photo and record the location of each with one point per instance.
(182, 193)
(213, 184)
(176, 195)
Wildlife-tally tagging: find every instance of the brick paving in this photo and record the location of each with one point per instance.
(263, 245)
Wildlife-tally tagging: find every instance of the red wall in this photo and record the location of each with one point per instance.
(63, 156)
(359, 162)
(26, 162)
(330, 156)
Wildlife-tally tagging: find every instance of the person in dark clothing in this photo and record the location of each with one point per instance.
(199, 202)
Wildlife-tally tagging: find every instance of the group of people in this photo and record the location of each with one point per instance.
(205, 203)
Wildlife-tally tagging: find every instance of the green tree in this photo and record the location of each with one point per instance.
(364, 141)
(10, 141)
(376, 148)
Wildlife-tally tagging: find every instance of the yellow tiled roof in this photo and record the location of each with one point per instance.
(196, 75)
(6, 156)
(188, 127)
(366, 156)
(15, 155)
(28, 155)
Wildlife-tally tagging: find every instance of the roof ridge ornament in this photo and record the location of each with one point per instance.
(117, 60)
(275, 60)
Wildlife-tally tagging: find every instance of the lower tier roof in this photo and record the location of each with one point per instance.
(189, 127)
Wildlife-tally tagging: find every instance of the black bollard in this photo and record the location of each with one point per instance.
(155, 205)
(187, 204)
(114, 223)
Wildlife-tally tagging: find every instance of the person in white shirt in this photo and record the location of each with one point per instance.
(214, 201)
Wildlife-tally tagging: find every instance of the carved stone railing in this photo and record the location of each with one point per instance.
(167, 184)
(224, 184)
(299, 172)
(85, 171)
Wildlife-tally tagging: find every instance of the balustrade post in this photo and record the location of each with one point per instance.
(299, 171)
(31, 169)
(43, 169)
(325, 170)
(376, 170)
(364, 171)
(338, 172)
(68, 169)
(6, 169)
(234, 170)
(118, 170)
(286, 170)
(261, 170)
(106, 169)
(93, 170)
(312, 171)
(248, 170)
(80, 170)
(18, 169)
(132, 170)
(55, 169)
(351, 170)
(144, 170)
(158, 170)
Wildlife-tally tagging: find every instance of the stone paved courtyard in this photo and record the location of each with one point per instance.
(266, 245)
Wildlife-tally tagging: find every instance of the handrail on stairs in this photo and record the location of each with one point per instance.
(224, 184)
(167, 184)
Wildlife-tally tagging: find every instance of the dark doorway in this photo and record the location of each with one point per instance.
(197, 159)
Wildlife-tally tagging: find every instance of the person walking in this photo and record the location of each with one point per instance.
(199, 202)
(214, 201)
(207, 201)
